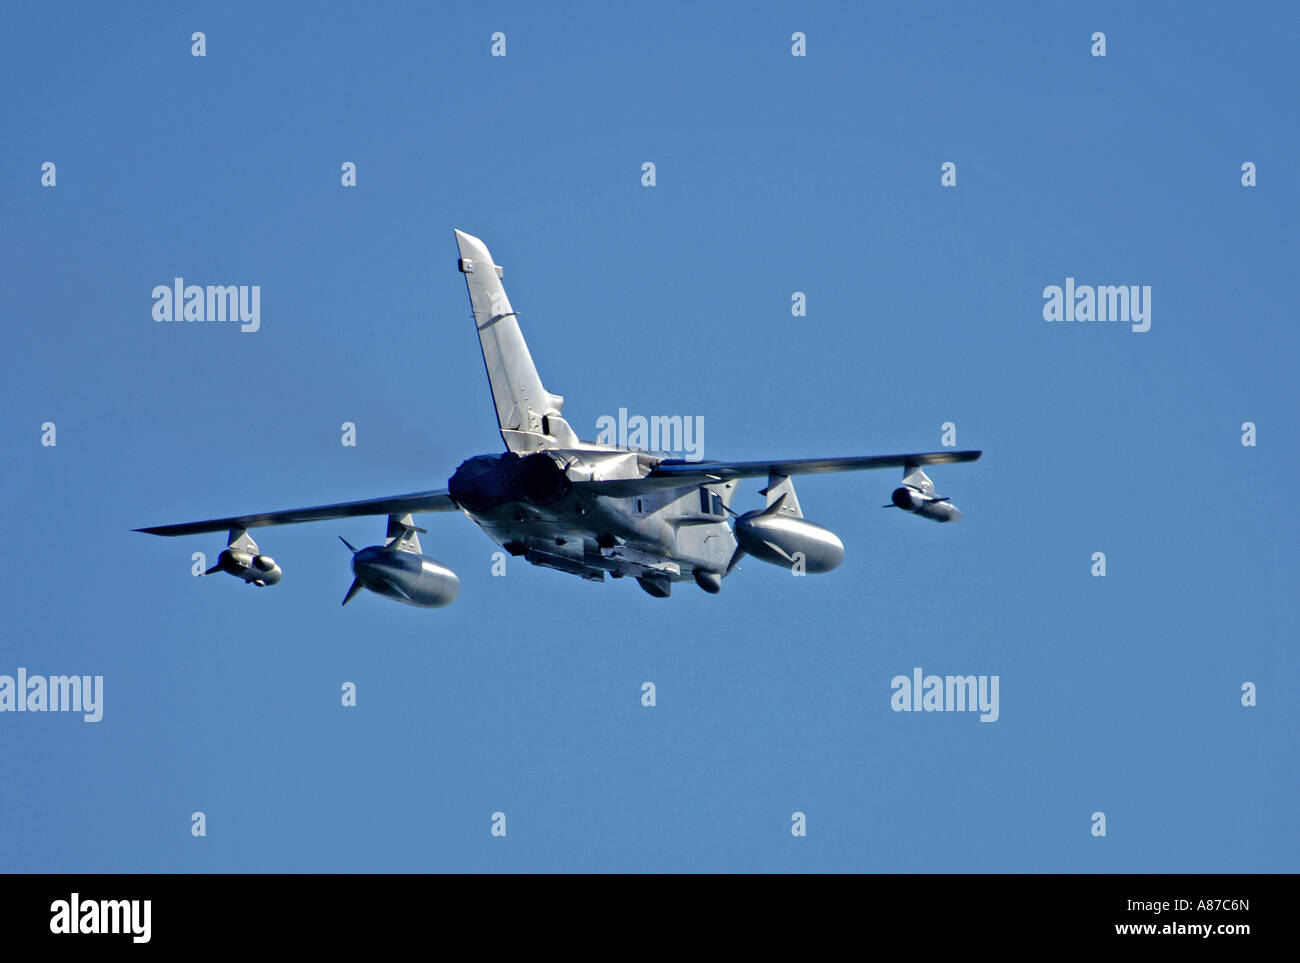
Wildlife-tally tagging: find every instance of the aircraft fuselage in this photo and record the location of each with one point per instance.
(528, 505)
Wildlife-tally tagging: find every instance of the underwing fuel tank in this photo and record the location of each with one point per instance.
(783, 540)
(404, 577)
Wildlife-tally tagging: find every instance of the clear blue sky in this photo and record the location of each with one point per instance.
(775, 174)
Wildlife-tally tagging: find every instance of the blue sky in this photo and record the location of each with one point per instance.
(775, 174)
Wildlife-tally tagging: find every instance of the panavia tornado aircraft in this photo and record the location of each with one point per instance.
(585, 508)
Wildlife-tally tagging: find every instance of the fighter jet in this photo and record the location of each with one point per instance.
(590, 509)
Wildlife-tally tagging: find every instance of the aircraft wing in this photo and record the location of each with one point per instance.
(809, 465)
(674, 472)
(688, 470)
(415, 502)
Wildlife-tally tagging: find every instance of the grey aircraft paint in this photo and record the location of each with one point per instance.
(585, 508)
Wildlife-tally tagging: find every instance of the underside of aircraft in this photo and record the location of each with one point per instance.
(586, 508)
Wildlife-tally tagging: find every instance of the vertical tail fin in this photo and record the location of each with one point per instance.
(528, 414)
